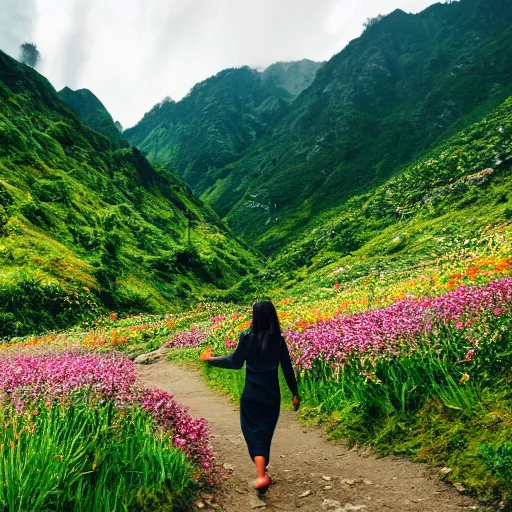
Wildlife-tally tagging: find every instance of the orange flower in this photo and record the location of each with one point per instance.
(502, 265)
(245, 325)
(206, 355)
(472, 272)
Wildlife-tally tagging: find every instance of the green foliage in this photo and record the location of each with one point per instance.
(499, 460)
(370, 22)
(211, 126)
(30, 305)
(449, 196)
(77, 457)
(93, 113)
(80, 215)
(401, 89)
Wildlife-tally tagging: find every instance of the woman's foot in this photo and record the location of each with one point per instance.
(262, 483)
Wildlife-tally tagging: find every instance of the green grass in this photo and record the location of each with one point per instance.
(434, 207)
(77, 457)
(428, 404)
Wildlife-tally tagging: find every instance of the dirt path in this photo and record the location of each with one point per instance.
(303, 461)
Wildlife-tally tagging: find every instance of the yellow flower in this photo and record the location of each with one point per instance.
(464, 378)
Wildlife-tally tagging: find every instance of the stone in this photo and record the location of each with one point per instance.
(367, 482)
(149, 358)
(228, 467)
(459, 487)
(445, 471)
(349, 507)
(331, 504)
(328, 487)
(327, 478)
(348, 481)
(305, 494)
(255, 503)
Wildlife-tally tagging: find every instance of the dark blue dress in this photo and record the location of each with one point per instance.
(261, 398)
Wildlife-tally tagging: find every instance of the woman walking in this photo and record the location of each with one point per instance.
(262, 349)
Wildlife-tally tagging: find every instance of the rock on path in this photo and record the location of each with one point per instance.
(301, 461)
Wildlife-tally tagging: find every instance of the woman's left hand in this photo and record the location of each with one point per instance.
(206, 355)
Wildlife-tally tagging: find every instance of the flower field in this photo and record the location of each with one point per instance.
(79, 434)
(414, 362)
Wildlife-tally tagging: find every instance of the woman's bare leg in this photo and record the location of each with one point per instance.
(261, 465)
(263, 479)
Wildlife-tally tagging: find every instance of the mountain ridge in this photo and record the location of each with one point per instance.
(87, 227)
(293, 76)
(86, 105)
(371, 110)
(219, 119)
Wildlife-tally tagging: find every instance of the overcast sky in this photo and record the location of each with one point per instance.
(133, 53)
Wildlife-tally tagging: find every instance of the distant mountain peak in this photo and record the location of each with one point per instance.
(293, 76)
(86, 105)
(167, 99)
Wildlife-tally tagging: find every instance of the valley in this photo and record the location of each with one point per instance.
(368, 196)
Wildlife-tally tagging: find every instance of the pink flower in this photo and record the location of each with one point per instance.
(399, 327)
(469, 355)
(108, 376)
(230, 343)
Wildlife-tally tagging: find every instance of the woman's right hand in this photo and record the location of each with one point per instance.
(206, 355)
(296, 402)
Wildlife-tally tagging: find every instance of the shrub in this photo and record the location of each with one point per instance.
(34, 212)
(498, 460)
(29, 305)
(50, 191)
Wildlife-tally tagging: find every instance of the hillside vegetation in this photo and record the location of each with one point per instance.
(218, 120)
(85, 226)
(408, 83)
(442, 202)
(92, 113)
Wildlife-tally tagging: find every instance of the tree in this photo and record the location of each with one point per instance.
(29, 54)
(119, 126)
(372, 21)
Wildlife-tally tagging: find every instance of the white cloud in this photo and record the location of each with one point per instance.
(133, 53)
(17, 18)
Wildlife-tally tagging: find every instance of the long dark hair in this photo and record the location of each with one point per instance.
(265, 324)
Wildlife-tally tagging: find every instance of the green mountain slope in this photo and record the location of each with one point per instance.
(294, 76)
(84, 226)
(92, 113)
(409, 82)
(212, 126)
(438, 204)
